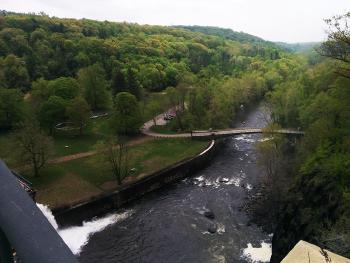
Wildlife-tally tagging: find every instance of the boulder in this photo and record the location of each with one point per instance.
(209, 214)
(212, 228)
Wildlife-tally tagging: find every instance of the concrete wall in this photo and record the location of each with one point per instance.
(304, 252)
(109, 202)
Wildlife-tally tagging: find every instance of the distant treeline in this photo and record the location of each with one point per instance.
(57, 60)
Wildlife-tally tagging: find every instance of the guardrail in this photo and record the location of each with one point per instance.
(23, 225)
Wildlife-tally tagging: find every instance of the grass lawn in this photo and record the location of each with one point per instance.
(67, 144)
(166, 129)
(64, 144)
(79, 179)
(96, 130)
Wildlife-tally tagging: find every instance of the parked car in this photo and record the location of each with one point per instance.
(168, 117)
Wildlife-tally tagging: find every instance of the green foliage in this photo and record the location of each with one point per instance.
(13, 73)
(225, 33)
(52, 112)
(127, 116)
(92, 80)
(317, 100)
(40, 92)
(133, 57)
(132, 83)
(11, 107)
(66, 88)
(337, 44)
(78, 112)
(68, 58)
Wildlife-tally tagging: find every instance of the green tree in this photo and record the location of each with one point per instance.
(93, 81)
(132, 82)
(198, 107)
(175, 103)
(66, 88)
(127, 117)
(276, 167)
(40, 92)
(14, 72)
(154, 108)
(78, 111)
(152, 77)
(11, 107)
(337, 45)
(118, 79)
(172, 76)
(52, 112)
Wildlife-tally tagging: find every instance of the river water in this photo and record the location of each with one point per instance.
(170, 225)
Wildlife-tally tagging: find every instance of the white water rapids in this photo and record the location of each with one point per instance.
(258, 254)
(77, 237)
(170, 225)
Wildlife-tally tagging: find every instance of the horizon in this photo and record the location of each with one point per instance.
(179, 25)
(303, 23)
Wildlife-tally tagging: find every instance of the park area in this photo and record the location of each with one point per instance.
(76, 171)
(80, 179)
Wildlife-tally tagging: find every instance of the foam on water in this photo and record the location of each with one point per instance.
(202, 182)
(78, 236)
(48, 214)
(199, 178)
(244, 138)
(234, 181)
(266, 139)
(221, 228)
(258, 254)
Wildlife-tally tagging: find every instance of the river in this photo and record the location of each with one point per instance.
(173, 224)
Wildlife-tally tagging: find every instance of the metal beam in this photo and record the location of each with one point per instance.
(25, 227)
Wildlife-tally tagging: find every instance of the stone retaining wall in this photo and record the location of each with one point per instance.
(109, 202)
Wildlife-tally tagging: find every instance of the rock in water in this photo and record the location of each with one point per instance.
(212, 229)
(209, 214)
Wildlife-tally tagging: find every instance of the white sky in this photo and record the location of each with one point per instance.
(275, 20)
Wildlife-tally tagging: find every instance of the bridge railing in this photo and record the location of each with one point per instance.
(25, 227)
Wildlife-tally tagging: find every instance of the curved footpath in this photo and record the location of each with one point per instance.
(137, 188)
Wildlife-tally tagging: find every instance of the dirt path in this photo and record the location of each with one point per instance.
(145, 130)
(75, 156)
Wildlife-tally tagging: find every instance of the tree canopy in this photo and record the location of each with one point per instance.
(127, 116)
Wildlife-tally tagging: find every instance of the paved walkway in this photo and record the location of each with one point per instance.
(90, 153)
(146, 129)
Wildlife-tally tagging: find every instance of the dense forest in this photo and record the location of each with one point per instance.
(54, 70)
(226, 33)
(314, 203)
(56, 60)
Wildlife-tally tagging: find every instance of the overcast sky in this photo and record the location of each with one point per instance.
(276, 20)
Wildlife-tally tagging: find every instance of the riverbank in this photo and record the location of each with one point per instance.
(170, 224)
(74, 181)
(99, 205)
